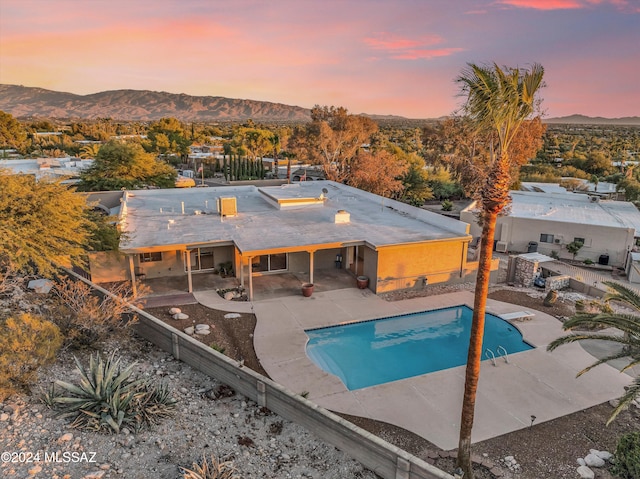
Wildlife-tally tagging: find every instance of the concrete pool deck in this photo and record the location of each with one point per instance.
(533, 383)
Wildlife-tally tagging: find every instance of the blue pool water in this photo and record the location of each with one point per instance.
(383, 350)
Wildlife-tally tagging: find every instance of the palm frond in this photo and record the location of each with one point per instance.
(632, 392)
(620, 293)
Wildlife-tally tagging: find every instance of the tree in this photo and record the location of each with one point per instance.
(332, 140)
(379, 173)
(41, 224)
(126, 165)
(12, 133)
(497, 102)
(574, 247)
(167, 136)
(627, 323)
(90, 150)
(415, 181)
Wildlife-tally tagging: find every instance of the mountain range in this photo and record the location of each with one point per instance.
(597, 120)
(141, 105)
(145, 105)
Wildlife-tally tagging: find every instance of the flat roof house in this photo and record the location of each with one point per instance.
(608, 229)
(300, 228)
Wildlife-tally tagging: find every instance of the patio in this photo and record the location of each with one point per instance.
(534, 383)
(267, 286)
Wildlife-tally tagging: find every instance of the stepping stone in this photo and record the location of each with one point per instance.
(189, 330)
(180, 316)
(231, 315)
(173, 311)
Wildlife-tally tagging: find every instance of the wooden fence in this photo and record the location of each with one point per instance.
(386, 460)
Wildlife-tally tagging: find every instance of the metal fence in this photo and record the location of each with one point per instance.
(386, 460)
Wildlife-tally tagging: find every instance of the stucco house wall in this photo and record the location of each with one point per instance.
(415, 266)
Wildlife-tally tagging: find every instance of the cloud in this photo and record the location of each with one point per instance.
(402, 48)
(544, 4)
(622, 5)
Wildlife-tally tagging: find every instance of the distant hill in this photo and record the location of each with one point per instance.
(597, 120)
(145, 105)
(142, 105)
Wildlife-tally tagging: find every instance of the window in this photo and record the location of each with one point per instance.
(270, 262)
(546, 238)
(150, 257)
(579, 240)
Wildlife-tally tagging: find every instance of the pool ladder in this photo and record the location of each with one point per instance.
(500, 350)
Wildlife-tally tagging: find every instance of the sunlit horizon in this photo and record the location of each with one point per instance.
(385, 58)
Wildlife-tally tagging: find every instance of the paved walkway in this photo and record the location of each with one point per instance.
(533, 383)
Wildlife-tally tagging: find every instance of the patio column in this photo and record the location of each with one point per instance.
(132, 271)
(242, 271)
(250, 278)
(311, 253)
(189, 277)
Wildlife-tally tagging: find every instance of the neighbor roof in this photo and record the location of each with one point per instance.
(573, 208)
(155, 219)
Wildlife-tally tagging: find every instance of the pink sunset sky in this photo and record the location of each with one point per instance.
(371, 56)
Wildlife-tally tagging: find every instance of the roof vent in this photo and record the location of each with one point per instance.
(342, 216)
(227, 206)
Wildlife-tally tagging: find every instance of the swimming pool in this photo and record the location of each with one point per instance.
(379, 351)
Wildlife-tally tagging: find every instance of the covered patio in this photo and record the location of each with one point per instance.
(264, 287)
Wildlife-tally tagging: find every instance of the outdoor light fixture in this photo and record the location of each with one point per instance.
(533, 418)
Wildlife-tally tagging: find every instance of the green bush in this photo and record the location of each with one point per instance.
(447, 205)
(109, 398)
(627, 456)
(27, 342)
(588, 261)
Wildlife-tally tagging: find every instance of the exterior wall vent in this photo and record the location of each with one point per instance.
(342, 216)
(227, 206)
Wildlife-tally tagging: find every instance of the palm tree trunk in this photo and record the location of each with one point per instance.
(475, 344)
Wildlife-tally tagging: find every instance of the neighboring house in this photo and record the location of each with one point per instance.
(307, 174)
(47, 167)
(548, 222)
(602, 189)
(299, 228)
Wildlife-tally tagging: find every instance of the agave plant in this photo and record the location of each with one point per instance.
(108, 397)
(211, 468)
(627, 323)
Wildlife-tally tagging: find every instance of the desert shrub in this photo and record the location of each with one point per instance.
(627, 455)
(211, 468)
(447, 205)
(588, 261)
(26, 343)
(85, 318)
(108, 397)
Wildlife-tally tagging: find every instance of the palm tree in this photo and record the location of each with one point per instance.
(498, 102)
(627, 324)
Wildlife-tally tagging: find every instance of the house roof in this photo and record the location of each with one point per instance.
(155, 219)
(573, 208)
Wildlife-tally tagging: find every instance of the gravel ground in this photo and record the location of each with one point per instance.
(261, 444)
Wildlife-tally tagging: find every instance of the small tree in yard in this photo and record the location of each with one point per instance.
(574, 247)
